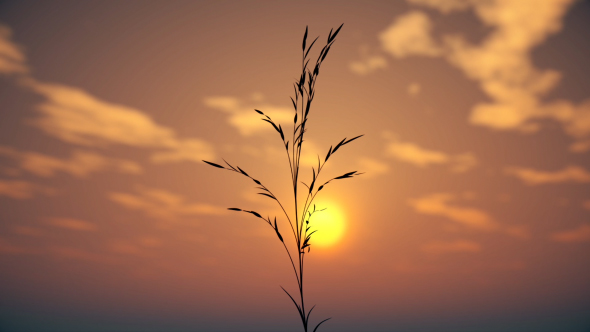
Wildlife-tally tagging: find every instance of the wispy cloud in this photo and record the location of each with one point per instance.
(80, 254)
(440, 205)
(416, 155)
(12, 59)
(535, 177)
(124, 247)
(243, 117)
(580, 234)
(72, 224)
(372, 167)
(22, 189)
(135, 247)
(368, 64)
(445, 205)
(580, 146)
(80, 163)
(8, 248)
(29, 231)
(421, 157)
(445, 6)
(414, 89)
(162, 204)
(75, 116)
(439, 247)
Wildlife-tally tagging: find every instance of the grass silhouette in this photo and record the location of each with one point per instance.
(299, 222)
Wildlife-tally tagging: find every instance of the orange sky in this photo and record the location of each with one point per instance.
(472, 215)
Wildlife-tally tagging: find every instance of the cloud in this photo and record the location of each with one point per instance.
(501, 63)
(421, 157)
(123, 247)
(372, 167)
(8, 248)
(245, 120)
(410, 34)
(503, 67)
(189, 149)
(368, 65)
(79, 254)
(22, 189)
(134, 246)
(580, 146)
(80, 164)
(413, 154)
(414, 89)
(519, 231)
(74, 116)
(463, 162)
(445, 6)
(12, 59)
(534, 177)
(72, 224)
(162, 204)
(438, 204)
(439, 247)
(575, 119)
(272, 153)
(580, 234)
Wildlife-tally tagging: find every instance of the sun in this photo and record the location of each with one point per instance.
(329, 225)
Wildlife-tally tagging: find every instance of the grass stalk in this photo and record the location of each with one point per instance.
(304, 89)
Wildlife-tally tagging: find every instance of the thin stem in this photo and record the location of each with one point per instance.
(301, 132)
(290, 166)
(281, 205)
(306, 206)
(292, 264)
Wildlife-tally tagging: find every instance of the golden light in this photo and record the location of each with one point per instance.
(330, 225)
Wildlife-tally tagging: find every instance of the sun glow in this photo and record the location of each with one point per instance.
(330, 225)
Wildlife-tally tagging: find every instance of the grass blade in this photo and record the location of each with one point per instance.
(320, 323)
(295, 303)
(254, 213)
(344, 176)
(213, 164)
(304, 39)
(335, 33)
(352, 139)
(306, 53)
(242, 171)
(277, 230)
(267, 195)
(309, 313)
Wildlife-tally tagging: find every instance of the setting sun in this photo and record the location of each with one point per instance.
(330, 225)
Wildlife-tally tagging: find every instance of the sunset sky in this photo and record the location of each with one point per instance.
(473, 213)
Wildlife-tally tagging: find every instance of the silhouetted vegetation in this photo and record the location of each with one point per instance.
(300, 221)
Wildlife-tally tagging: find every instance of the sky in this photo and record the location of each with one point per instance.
(473, 212)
